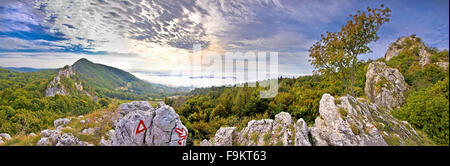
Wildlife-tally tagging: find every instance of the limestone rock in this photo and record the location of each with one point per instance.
(409, 42)
(148, 127)
(5, 136)
(265, 132)
(44, 141)
(205, 142)
(224, 136)
(135, 105)
(301, 133)
(385, 86)
(347, 121)
(443, 65)
(32, 135)
(61, 122)
(167, 129)
(55, 86)
(126, 133)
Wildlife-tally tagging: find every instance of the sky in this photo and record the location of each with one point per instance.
(153, 39)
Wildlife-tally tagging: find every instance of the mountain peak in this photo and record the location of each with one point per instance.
(83, 60)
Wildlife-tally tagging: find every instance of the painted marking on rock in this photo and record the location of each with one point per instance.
(141, 127)
(372, 127)
(182, 133)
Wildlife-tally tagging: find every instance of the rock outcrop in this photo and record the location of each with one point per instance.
(344, 121)
(4, 137)
(409, 42)
(143, 125)
(58, 138)
(385, 86)
(265, 132)
(345, 124)
(55, 86)
(61, 122)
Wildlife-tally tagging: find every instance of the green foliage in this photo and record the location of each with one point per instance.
(336, 53)
(428, 109)
(24, 107)
(116, 83)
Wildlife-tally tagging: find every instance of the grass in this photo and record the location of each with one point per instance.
(22, 140)
(255, 137)
(343, 112)
(354, 129)
(267, 138)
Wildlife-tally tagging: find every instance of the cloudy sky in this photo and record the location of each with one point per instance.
(152, 38)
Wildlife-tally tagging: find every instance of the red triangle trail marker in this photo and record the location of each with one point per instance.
(141, 127)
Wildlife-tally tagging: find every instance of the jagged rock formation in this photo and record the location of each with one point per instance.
(143, 125)
(344, 121)
(55, 86)
(265, 132)
(385, 86)
(224, 136)
(409, 42)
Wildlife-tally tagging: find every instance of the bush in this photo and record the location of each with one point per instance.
(428, 110)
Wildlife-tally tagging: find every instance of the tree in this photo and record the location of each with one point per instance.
(336, 53)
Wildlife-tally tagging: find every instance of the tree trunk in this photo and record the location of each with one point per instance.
(353, 76)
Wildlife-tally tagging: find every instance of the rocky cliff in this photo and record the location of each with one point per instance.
(385, 86)
(55, 86)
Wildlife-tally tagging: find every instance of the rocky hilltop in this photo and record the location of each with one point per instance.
(55, 86)
(413, 44)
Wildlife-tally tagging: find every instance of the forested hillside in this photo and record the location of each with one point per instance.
(116, 83)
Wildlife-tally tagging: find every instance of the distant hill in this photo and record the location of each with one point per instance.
(24, 69)
(100, 76)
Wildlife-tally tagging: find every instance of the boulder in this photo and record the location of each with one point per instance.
(133, 106)
(5, 136)
(167, 129)
(61, 122)
(385, 86)
(127, 132)
(205, 142)
(32, 135)
(149, 127)
(44, 141)
(224, 136)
